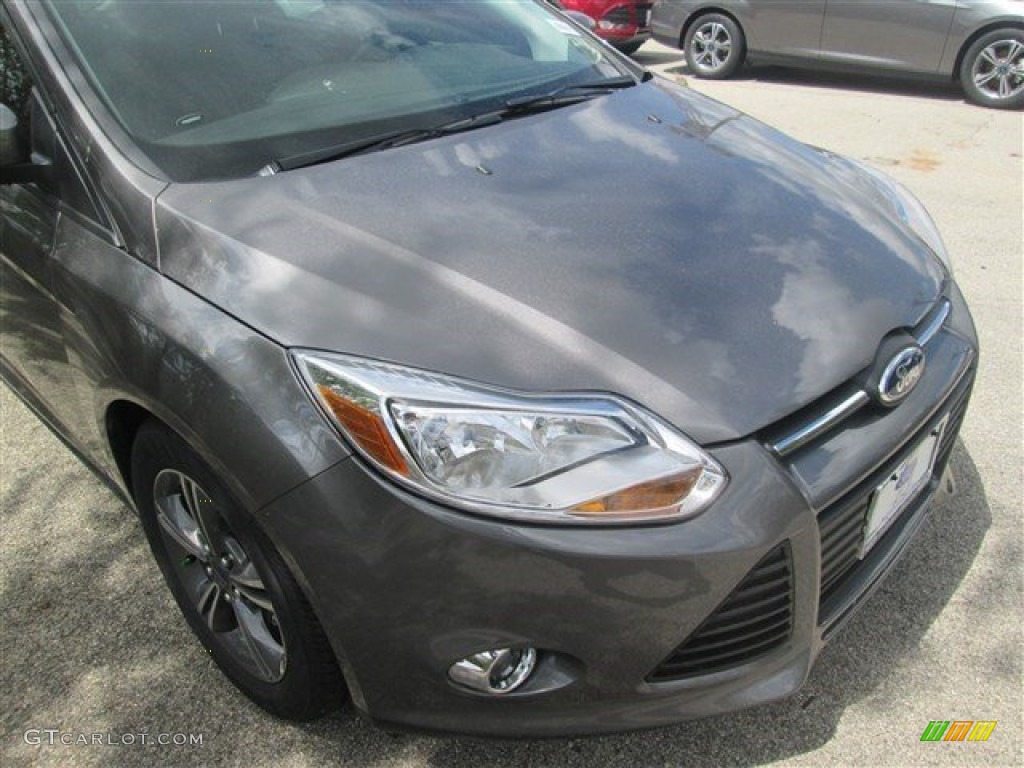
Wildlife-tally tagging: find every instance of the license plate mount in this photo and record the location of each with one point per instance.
(900, 488)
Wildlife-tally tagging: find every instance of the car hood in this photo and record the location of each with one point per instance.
(649, 242)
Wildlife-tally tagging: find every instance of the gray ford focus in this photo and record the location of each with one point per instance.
(457, 367)
(979, 43)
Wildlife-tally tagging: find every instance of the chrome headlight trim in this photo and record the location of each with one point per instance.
(614, 462)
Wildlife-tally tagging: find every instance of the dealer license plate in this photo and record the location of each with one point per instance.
(900, 488)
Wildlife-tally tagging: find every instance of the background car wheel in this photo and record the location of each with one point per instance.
(230, 583)
(992, 73)
(714, 46)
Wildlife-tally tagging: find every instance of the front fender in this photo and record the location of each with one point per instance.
(134, 335)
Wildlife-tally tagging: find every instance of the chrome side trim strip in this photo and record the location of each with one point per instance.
(935, 323)
(822, 424)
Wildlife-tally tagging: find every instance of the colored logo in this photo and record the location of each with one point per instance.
(958, 730)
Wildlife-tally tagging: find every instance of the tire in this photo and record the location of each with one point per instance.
(714, 46)
(992, 72)
(230, 582)
(629, 48)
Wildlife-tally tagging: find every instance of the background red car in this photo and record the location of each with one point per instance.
(626, 24)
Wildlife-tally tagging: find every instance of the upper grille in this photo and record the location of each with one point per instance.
(754, 619)
(829, 411)
(956, 419)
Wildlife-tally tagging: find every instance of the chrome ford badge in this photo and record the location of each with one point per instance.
(901, 375)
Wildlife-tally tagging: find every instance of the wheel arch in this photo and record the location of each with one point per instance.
(970, 40)
(121, 422)
(123, 418)
(706, 10)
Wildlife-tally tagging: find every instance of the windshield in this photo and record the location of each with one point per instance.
(219, 89)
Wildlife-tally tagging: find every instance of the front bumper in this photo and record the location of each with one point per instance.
(405, 587)
(626, 24)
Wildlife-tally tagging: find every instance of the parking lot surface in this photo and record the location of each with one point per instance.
(91, 642)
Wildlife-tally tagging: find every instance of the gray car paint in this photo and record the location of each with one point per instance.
(629, 596)
(923, 37)
(580, 593)
(156, 309)
(643, 297)
(908, 35)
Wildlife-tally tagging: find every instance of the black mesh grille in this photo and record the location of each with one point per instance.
(754, 619)
(841, 526)
(956, 419)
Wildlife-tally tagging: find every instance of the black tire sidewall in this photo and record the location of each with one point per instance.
(736, 54)
(297, 695)
(975, 94)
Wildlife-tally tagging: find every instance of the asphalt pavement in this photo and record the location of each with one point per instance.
(91, 642)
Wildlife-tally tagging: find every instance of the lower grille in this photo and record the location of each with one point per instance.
(755, 618)
(841, 526)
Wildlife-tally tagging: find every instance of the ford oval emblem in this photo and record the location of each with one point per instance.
(901, 375)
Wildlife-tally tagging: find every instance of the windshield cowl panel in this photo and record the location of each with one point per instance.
(217, 90)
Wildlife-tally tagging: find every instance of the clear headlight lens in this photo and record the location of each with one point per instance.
(564, 459)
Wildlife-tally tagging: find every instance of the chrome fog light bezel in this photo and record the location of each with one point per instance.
(497, 672)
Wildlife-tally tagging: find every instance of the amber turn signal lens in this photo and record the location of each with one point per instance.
(664, 494)
(367, 429)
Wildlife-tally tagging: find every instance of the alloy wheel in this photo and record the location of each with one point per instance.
(219, 576)
(711, 46)
(998, 70)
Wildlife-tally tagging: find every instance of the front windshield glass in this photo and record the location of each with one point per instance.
(220, 89)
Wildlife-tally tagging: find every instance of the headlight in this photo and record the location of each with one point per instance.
(909, 209)
(558, 459)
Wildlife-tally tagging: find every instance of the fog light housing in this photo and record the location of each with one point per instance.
(498, 671)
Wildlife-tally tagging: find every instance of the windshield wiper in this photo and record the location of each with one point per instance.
(567, 94)
(377, 142)
(571, 94)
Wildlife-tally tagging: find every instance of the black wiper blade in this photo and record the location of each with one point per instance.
(374, 143)
(567, 94)
(571, 94)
